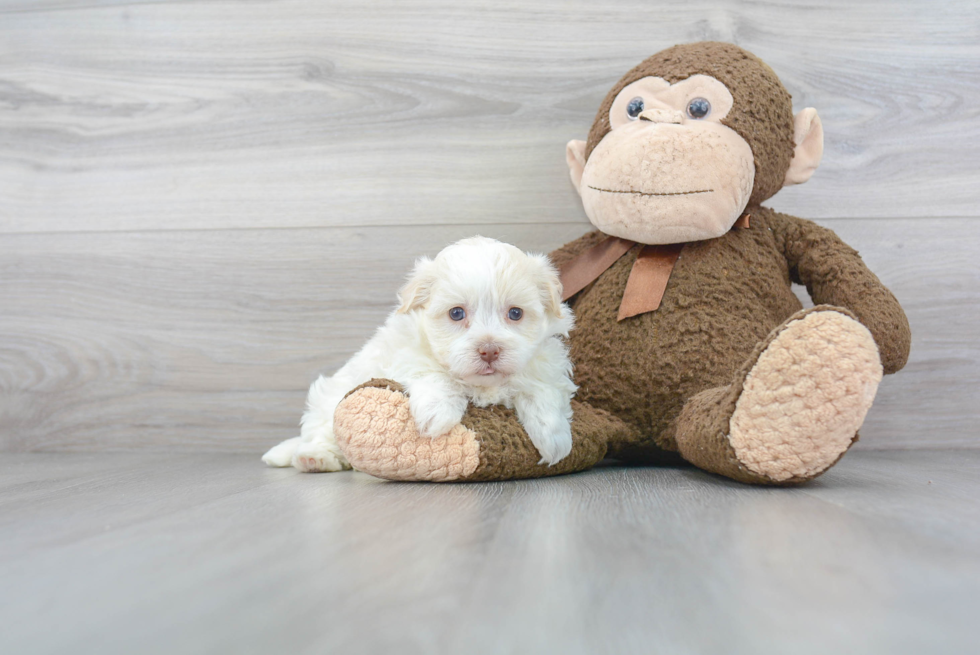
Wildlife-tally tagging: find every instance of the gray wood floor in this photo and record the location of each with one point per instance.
(130, 552)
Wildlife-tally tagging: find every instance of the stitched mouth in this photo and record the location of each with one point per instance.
(645, 193)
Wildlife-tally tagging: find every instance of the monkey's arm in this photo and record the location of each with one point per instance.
(834, 274)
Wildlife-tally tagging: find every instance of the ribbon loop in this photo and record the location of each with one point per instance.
(584, 269)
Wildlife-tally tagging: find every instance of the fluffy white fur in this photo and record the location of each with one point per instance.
(438, 359)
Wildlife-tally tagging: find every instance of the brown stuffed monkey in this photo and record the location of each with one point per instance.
(690, 344)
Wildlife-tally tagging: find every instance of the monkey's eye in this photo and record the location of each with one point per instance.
(457, 313)
(634, 108)
(515, 313)
(698, 108)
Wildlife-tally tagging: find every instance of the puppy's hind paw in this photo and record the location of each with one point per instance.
(282, 454)
(319, 458)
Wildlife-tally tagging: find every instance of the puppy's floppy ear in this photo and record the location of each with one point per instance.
(550, 286)
(415, 292)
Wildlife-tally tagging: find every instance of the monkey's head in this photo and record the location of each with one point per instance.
(686, 140)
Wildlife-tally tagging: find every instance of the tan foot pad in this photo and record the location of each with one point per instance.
(375, 429)
(805, 398)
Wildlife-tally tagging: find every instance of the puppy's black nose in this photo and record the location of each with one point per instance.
(489, 352)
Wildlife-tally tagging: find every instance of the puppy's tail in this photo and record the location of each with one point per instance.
(282, 455)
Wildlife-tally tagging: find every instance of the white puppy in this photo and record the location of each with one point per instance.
(480, 323)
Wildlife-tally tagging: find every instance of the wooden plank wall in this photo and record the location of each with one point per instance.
(204, 204)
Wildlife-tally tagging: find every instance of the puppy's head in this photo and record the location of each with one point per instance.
(486, 308)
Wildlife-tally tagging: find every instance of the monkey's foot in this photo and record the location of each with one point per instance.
(376, 432)
(796, 409)
(805, 398)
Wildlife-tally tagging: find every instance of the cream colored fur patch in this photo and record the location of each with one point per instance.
(804, 400)
(376, 431)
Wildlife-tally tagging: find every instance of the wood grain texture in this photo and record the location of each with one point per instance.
(207, 340)
(202, 205)
(152, 553)
(304, 113)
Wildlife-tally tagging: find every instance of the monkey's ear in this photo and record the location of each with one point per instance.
(415, 292)
(808, 136)
(575, 156)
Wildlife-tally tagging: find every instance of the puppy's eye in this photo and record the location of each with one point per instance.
(698, 108)
(457, 313)
(634, 108)
(515, 313)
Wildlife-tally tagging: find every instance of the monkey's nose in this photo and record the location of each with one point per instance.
(655, 115)
(489, 352)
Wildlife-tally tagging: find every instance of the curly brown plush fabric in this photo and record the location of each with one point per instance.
(728, 373)
(834, 274)
(510, 455)
(724, 297)
(764, 119)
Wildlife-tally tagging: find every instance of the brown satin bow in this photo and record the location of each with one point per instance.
(648, 277)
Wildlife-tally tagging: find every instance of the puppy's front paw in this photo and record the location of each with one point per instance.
(435, 416)
(553, 440)
(436, 421)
